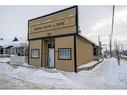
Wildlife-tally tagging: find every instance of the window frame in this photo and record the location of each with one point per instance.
(64, 58)
(38, 54)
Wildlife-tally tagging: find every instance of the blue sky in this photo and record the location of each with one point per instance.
(93, 21)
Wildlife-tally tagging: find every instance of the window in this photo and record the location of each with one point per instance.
(35, 53)
(64, 53)
(95, 51)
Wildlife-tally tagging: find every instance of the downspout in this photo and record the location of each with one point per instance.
(75, 51)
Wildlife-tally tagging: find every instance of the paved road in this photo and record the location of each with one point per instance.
(8, 82)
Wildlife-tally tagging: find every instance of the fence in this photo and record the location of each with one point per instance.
(17, 59)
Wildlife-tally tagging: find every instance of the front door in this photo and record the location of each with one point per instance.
(51, 57)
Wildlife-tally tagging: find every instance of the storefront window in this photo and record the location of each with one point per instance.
(64, 53)
(35, 53)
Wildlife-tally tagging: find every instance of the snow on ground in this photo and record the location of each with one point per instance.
(8, 82)
(38, 76)
(88, 64)
(107, 75)
(124, 56)
(41, 77)
(4, 60)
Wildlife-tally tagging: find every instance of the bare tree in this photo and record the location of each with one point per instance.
(117, 54)
(1, 39)
(110, 46)
(15, 39)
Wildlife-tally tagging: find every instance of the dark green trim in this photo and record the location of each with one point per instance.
(57, 36)
(76, 20)
(28, 52)
(70, 54)
(41, 52)
(38, 54)
(75, 51)
(28, 42)
(75, 55)
(54, 55)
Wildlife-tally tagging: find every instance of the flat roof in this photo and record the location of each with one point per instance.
(86, 39)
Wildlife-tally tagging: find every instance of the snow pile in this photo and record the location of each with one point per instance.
(53, 79)
(124, 56)
(22, 72)
(5, 60)
(122, 72)
(6, 68)
(88, 64)
(40, 77)
(107, 75)
(17, 59)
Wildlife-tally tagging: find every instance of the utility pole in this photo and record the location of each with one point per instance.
(99, 42)
(111, 36)
(100, 46)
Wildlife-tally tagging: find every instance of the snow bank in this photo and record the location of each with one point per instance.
(22, 72)
(124, 56)
(17, 59)
(89, 64)
(107, 75)
(39, 77)
(6, 68)
(5, 60)
(53, 79)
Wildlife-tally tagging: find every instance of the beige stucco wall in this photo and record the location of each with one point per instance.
(58, 16)
(55, 24)
(36, 44)
(64, 42)
(84, 51)
(83, 47)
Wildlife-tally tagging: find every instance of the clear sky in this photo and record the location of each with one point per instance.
(93, 21)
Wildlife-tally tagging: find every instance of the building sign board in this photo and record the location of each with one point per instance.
(64, 20)
(54, 25)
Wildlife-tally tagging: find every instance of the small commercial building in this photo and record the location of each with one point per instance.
(55, 42)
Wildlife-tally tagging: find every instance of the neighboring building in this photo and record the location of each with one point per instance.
(1, 50)
(20, 49)
(97, 51)
(14, 47)
(54, 41)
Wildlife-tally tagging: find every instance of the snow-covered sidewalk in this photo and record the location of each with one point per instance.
(89, 65)
(107, 75)
(8, 82)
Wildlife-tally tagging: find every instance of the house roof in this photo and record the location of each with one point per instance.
(83, 37)
(8, 42)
